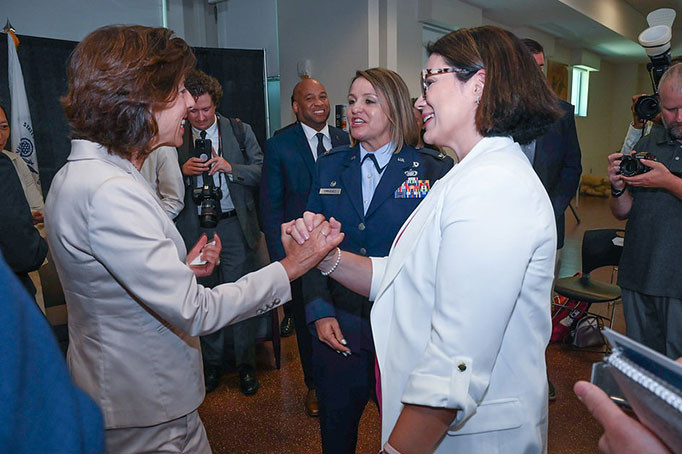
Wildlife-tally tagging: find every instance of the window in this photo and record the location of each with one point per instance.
(580, 86)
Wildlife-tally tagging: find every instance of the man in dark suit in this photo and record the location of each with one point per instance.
(20, 242)
(556, 160)
(557, 155)
(287, 175)
(236, 173)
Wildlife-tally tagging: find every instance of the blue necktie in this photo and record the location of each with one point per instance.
(320, 146)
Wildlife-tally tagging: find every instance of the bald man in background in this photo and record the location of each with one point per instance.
(288, 170)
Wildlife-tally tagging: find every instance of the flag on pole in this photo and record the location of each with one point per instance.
(23, 142)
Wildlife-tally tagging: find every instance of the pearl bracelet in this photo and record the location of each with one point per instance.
(338, 260)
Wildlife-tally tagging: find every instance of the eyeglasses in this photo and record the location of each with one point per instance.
(436, 71)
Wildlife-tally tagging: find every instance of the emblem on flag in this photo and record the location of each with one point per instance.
(23, 142)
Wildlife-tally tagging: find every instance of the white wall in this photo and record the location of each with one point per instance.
(250, 24)
(74, 19)
(333, 36)
(608, 112)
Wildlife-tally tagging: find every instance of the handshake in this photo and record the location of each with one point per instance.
(308, 242)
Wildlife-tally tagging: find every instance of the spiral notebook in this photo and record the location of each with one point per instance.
(652, 385)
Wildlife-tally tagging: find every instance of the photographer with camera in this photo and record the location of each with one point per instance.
(221, 162)
(648, 193)
(646, 111)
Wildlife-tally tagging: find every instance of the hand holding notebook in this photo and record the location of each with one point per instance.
(622, 434)
(652, 385)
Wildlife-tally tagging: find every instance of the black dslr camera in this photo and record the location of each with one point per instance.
(656, 42)
(208, 195)
(631, 165)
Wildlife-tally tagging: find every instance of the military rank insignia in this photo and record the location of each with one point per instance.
(413, 188)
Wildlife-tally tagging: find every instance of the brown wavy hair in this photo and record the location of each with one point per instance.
(516, 99)
(118, 77)
(398, 107)
(198, 83)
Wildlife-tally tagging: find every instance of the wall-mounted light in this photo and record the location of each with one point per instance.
(304, 69)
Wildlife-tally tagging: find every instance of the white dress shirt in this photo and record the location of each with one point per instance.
(219, 178)
(370, 175)
(311, 135)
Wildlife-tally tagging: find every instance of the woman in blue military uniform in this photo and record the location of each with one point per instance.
(372, 187)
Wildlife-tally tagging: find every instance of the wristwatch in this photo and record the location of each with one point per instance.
(618, 192)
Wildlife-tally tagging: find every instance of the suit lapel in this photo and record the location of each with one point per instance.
(350, 176)
(303, 147)
(393, 177)
(406, 240)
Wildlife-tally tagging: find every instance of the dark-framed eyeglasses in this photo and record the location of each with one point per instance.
(426, 72)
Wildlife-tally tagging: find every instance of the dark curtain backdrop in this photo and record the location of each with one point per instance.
(43, 63)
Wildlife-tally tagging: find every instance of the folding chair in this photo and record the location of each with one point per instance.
(600, 248)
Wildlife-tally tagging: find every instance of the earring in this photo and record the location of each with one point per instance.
(478, 101)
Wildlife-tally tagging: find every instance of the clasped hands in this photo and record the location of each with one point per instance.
(308, 242)
(301, 231)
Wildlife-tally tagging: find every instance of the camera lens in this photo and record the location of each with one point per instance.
(647, 107)
(629, 166)
(208, 218)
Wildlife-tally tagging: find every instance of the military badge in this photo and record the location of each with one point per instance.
(413, 188)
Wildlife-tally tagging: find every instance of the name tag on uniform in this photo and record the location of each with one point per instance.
(413, 188)
(330, 191)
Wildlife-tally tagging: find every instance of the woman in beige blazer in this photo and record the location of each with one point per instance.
(134, 304)
(461, 314)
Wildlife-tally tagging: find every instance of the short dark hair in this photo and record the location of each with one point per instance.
(533, 46)
(118, 76)
(198, 83)
(516, 100)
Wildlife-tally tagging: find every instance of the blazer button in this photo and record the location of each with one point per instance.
(363, 251)
(361, 226)
(462, 367)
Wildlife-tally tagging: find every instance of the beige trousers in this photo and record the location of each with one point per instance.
(182, 435)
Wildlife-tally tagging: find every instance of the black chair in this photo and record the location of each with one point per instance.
(600, 248)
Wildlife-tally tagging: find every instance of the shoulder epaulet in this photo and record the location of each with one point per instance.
(433, 153)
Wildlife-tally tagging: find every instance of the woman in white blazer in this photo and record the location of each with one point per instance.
(461, 316)
(134, 304)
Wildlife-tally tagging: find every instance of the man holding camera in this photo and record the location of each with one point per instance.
(651, 201)
(220, 178)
